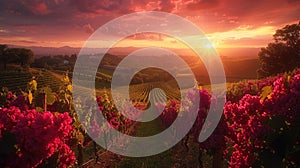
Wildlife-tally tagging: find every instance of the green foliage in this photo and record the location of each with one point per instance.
(237, 90)
(58, 62)
(65, 94)
(49, 94)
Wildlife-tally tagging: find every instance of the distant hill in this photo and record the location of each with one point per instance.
(67, 50)
(239, 53)
(236, 69)
(241, 69)
(226, 53)
(238, 63)
(48, 51)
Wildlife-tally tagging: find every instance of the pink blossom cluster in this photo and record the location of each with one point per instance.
(115, 119)
(246, 122)
(257, 125)
(170, 112)
(254, 128)
(217, 139)
(38, 137)
(284, 100)
(238, 90)
(20, 102)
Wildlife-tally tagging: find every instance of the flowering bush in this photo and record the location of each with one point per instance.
(247, 129)
(170, 112)
(6, 97)
(261, 123)
(265, 129)
(237, 90)
(34, 137)
(260, 126)
(217, 140)
(114, 116)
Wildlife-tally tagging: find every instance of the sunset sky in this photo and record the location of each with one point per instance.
(227, 23)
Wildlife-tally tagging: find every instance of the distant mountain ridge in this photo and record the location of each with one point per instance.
(226, 53)
(67, 50)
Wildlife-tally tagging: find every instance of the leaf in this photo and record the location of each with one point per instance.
(76, 122)
(34, 84)
(50, 95)
(39, 109)
(69, 88)
(266, 92)
(30, 97)
(80, 137)
(56, 114)
(50, 99)
(66, 79)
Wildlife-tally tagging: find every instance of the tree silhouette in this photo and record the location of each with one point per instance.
(21, 55)
(4, 58)
(283, 54)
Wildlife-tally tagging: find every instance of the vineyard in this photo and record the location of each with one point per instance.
(141, 93)
(260, 125)
(17, 81)
(149, 84)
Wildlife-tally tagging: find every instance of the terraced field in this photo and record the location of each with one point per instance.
(17, 81)
(141, 92)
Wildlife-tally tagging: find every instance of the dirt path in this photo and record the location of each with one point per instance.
(59, 76)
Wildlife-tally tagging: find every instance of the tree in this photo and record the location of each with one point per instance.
(3, 55)
(23, 56)
(283, 54)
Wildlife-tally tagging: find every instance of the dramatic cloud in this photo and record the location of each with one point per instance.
(60, 22)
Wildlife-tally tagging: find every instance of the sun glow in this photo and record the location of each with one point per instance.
(209, 46)
(225, 39)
